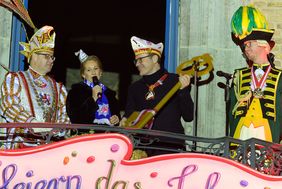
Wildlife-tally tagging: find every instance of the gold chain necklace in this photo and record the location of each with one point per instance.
(47, 112)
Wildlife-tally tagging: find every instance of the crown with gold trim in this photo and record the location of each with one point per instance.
(142, 46)
(248, 23)
(42, 41)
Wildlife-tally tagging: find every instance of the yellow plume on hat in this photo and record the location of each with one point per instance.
(248, 23)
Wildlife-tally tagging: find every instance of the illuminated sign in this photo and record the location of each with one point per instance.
(101, 161)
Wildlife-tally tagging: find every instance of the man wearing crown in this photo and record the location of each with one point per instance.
(256, 89)
(32, 96)
(155, 83)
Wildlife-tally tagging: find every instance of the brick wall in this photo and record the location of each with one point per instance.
(272, 9)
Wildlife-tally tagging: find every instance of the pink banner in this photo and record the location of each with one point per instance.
(101, 161)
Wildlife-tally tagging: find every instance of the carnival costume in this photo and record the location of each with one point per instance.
(28, 96)
(256, 90)
(147, 92)
(81, 106)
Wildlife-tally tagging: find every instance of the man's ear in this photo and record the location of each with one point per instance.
(271, 44)
(32, 57)
(155, 58)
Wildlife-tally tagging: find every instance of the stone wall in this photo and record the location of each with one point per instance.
(5, 38)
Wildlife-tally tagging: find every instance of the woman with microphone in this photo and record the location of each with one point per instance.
(90, 101)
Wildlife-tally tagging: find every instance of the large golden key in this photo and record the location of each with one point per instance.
(202, 64)
(148, 115)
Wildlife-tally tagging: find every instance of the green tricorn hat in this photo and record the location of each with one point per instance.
(249, 24)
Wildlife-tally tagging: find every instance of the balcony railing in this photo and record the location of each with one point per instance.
(262, 156)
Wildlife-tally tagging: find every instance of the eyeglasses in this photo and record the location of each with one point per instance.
(48, 56)
(139, 60)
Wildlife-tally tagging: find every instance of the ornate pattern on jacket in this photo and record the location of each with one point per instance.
(268, 103)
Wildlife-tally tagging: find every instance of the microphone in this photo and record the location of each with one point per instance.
(223, 74)
(96, 82)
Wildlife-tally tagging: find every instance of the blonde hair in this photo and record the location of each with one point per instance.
(89, 58)
(262, 43)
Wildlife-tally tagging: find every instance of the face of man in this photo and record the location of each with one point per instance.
(147, 64)
(256, 51)
(42, 62)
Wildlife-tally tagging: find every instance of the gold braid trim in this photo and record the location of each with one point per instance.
(277, 76)
(18, 117)
(242, 99)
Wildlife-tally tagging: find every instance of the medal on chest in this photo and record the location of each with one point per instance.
(40, 83)
(258, 80)
(150, 95)
(258, 93)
